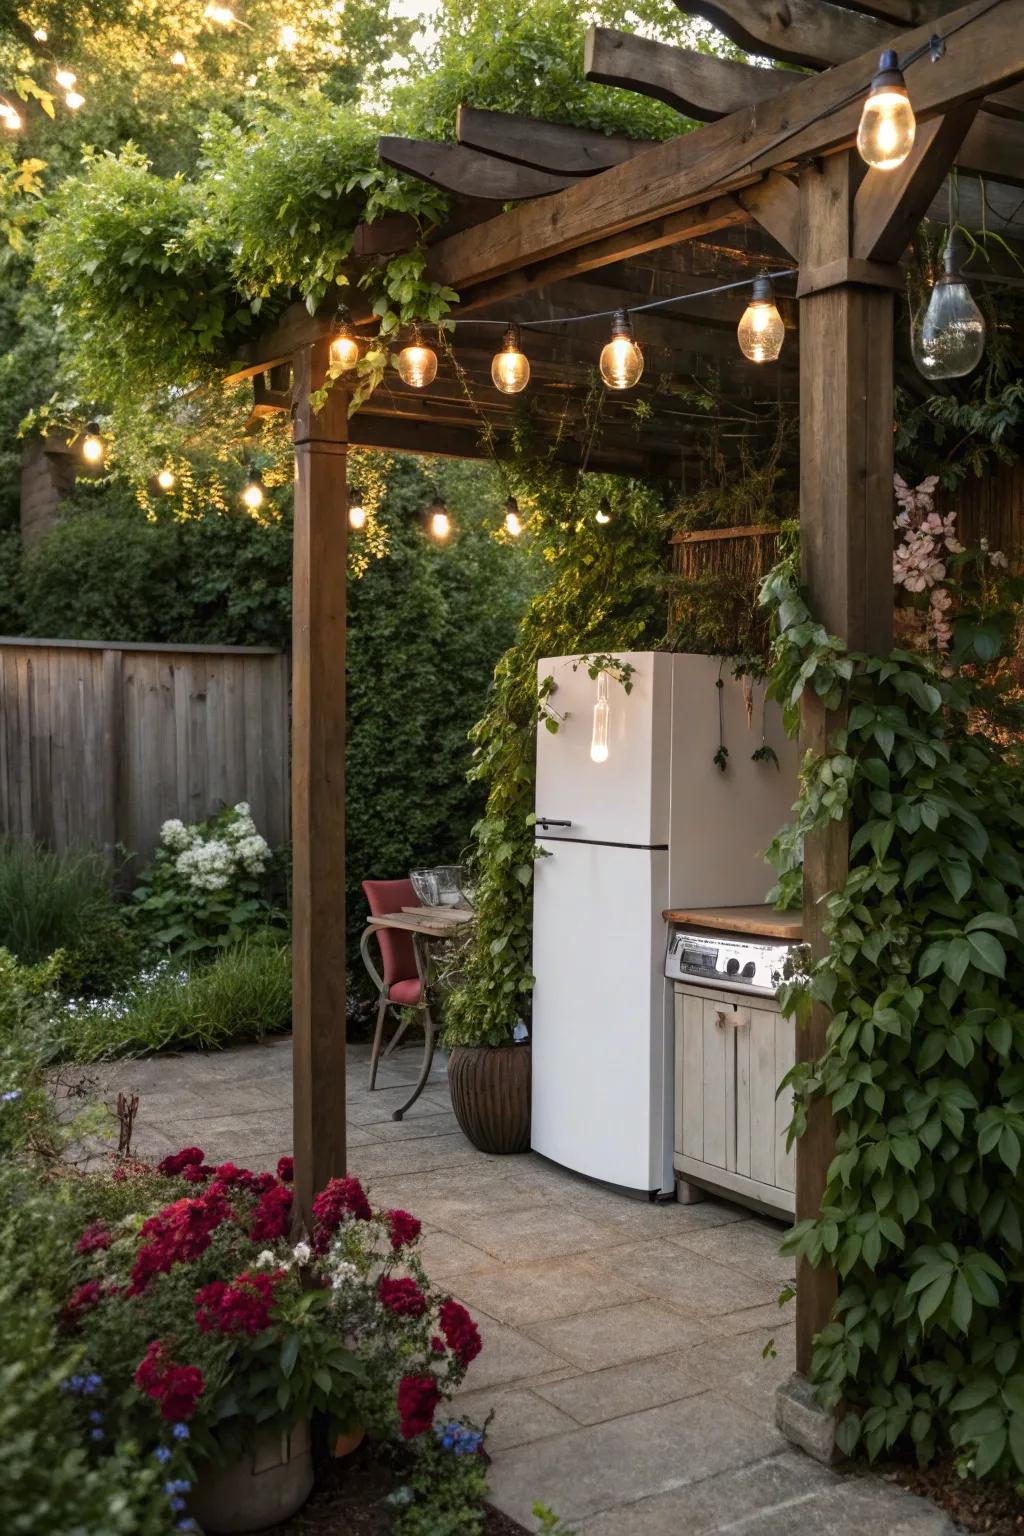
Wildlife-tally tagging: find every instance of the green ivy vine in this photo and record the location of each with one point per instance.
(924, 1061)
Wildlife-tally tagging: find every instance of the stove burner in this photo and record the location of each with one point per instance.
(750, 964)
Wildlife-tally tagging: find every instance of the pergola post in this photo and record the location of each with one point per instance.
(846, 501)
(318, 778)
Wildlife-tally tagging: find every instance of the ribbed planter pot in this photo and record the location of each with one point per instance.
(490, 1089)
(263, 1488)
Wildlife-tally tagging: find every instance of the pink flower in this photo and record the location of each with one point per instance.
(460, 1331)
(177, 1388)
(337, 1201)
(403, 1228)
(94, 1239)
(286, 1169)
(188, 1157)
(241, 1307)
(418, 1397)
(82, 1300)
(273, 1215)
(402, 1297)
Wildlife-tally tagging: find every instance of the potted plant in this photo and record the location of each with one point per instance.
(212, 1340)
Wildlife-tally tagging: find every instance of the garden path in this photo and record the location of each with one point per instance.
(624, 1343)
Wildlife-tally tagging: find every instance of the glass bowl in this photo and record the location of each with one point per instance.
(424, 883)
(450, 880)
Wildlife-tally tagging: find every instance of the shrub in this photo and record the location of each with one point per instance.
(65, 902)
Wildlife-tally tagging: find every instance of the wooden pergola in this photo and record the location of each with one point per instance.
(771, 178)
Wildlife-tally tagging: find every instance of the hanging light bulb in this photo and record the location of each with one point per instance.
(40, 34)
(356, 510)
(510, 369)
(223, 15)
(65, 79)
(604, 511)
(93, 450)
(438, 521)
(622, 362)
(288, 37)
(11, 118)
(599, 736)
(74, 100)
(417, 364)
(513, 522)
(761, 332)
(253, 492)
(344, 345)
(951, 338)
(178, 59)
(885, 136)
(165, 480)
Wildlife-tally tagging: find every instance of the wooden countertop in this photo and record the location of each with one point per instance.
(760, 920)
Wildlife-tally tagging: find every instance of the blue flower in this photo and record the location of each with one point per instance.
(180, 1431)
(177, 1504)
(177, 1485)
(187, 1525)
(97, 1434)
(10, 1096)
(163, 1453)
(95, 1417)
(92, 1383)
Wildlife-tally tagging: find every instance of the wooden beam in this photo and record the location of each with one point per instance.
(697, 84)
(295, 329)
(903, 13)
(816, 116)
(545, 146)
(318, 780)
(775, 204)
(890, 204)
(467, 171)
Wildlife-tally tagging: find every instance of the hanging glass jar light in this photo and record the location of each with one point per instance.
(949, 341)
(510, 369)
(513, 522)
(165, 479)
(93, 450)
(599, 735)
(356, 510)
(604, 511)
(253, 493)
(417, 363)
(344, 343)
(439, 523)
(761, 332)
(621, 362)
(885, 136)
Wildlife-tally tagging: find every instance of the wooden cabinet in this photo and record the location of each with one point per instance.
(731, 1053)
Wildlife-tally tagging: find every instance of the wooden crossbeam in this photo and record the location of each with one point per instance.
(696, 84)
(552, 147)
(469, 172)
(816, 116)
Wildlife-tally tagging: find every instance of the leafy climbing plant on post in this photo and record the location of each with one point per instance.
(924, 1062)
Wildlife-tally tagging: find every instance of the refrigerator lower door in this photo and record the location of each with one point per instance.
(602, 1088)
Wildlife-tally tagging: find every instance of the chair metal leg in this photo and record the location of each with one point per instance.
(403, 1025)
(378, 1036)
(429, 1042)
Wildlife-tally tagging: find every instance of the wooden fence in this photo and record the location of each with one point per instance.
(100, 744)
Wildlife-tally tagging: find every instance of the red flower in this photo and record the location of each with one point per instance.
(339, 1198)
(82, 1300)
(286, 1169)
(403, 1297)
(438, 1346)
(177, 1388)
(231, 1177)
(188, 1157)
(403, 1227)
(241, 1307)
(93, 1239)
(418, 1397)
(262, 1182)
(273, 1215)
(178, 1233)
(461, 1332)
(196, 1173)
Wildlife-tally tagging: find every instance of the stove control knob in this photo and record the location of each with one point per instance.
(750, 968)
(732, 966)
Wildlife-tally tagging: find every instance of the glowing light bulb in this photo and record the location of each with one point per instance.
(885, 136)
(604, 513)
(417, 364)
(356, 510)
(178, 59)
(288, 38)
(223, 15)
(439, 523)
(12, 119)
(621, 362)
(599, 736)
(165, 480)
(252, 492)
(92, 444)
(510, 369)
(40, 34)
(74, 100)
(65, 79)
(344, 346)
(761, 332)
(951, 339)
(513, 522)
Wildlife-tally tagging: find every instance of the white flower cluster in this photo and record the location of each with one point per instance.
(209, 863)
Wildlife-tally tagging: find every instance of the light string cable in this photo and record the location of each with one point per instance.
(632, 309)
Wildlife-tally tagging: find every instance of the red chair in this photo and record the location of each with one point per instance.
(404, 982)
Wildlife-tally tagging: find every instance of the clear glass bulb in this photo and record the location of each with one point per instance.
(510, 370)
(12, 119)
(417, 365)
(178, 59)
(65, 79)
(950, 339)
(885, 136)
(223, 15)
(74, 100)
(621, 361)
(357, 516)
(761, 332)
(40, 34)
(252, 495)
(344, 349)
(165, 480)
(440, 525)
(599, 737)
(513, 524)
(288, 38)
(601, 516)
(92, 447)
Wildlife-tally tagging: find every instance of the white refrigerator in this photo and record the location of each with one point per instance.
(655, 825)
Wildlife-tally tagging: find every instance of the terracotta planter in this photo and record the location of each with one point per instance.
(490, 1089)
(265, 1487)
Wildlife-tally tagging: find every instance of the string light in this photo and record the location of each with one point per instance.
(40, 34)
(510, 369)
(761, 332)
(93, 450)
(223, 15)
(165, 480)
(288, 38)
(621, 362)
(65, 79)
(344, 345)
(356, 510)
(513, 522)
(74, 100)
(885, 136)
(599, 735)
(438, 521)
(604, 511)
(11, 118)
(417, 364)
(951, 339)
(178, 59)
(253, 493)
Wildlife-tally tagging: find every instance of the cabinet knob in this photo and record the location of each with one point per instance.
(734, 1020)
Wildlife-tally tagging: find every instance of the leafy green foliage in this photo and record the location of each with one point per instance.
(924, 1062)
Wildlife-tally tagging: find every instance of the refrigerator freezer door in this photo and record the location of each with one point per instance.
(624, 799)
(601, 1080)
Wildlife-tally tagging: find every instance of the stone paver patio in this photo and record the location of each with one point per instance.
(624, 1343)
